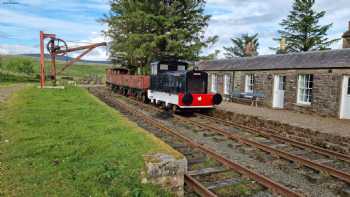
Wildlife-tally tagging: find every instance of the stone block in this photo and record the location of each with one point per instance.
(166, 171)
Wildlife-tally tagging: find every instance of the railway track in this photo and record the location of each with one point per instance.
(326, 162)
(188, 147)
(269, 134)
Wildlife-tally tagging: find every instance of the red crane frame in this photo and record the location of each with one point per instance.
(55, 52)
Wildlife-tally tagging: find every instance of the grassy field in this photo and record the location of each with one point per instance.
(67, 143)
(10, 72)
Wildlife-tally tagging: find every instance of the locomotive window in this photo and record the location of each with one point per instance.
(181, 67)
(197, 83)
(164, 67)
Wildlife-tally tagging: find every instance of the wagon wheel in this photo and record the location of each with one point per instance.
(144, 98)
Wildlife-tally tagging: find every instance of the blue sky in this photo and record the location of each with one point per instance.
(76, 20)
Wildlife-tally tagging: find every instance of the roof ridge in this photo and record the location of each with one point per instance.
(278, 55)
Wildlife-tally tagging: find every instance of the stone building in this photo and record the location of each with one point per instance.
(311, 82)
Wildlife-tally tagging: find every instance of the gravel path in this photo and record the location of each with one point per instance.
(7, 91)
(313, 122)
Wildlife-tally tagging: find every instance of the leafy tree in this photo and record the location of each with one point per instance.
(244, 46)
(302, 30)
(145, 30)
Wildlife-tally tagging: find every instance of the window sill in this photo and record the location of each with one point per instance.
(303, 104)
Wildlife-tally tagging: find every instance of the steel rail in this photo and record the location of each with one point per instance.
(299, 160)
(198, 187)
(268, 183)
(295, 143)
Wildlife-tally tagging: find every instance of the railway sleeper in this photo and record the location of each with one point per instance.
(193, 161)
(223, 183)
(207, 171)
(345, 192)
(323, 161)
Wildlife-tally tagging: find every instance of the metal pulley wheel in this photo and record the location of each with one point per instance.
(56, 44)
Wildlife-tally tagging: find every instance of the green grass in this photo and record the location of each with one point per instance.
(8, 76)
(67, 143)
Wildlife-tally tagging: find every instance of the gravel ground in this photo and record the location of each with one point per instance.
(313, 122)
(288, 176)
(7, 91)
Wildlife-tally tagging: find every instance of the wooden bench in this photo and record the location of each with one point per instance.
(248, 97)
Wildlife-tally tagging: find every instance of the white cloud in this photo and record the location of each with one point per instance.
(255, 16)
(6, 49)
(230, 18)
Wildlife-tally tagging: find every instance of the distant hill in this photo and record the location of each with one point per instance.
(66, 58)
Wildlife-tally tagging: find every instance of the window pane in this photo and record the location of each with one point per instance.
(305, 88)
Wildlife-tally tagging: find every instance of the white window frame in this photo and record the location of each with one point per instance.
(227, 84)
(154, 68)
(214, 83)
(305, 86)
(249, 83)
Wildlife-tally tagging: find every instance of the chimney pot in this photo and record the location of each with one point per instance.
(346, 38)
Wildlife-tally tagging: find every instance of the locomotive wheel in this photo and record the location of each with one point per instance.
(217, 99)
(144, 98)
(187, 99)
(173, 108)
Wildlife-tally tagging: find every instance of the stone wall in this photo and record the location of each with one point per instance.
(324, 140)
(326, 88)
(220, 82)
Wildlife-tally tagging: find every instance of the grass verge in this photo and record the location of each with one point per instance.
(67, 143)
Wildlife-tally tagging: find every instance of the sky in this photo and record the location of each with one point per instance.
(77, 21)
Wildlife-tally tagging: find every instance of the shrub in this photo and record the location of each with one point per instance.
(1, 63)
(21, 65)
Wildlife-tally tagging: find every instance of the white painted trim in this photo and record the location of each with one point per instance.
(227, 84)
(214, 83)
(248, 80)
(195, 107)
(167, 98)
(343, 95)
(298, 94)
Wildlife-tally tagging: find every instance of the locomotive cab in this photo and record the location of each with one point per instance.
(172, 85)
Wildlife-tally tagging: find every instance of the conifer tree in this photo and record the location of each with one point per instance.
(244, 46)
(302, 30)
(147, 30)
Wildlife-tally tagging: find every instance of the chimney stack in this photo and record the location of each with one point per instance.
(283, 44)
(346, 38)
(250, 49)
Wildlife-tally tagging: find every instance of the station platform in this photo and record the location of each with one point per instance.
(316, 123)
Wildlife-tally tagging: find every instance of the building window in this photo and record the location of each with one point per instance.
(227, 84)
(349, 86)
(249, 83)
(214, 83)
(282, 83)
(305, 85)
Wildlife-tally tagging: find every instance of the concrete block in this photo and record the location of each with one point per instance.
(166, 171)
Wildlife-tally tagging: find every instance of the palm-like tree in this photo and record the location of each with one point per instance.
(244, 46)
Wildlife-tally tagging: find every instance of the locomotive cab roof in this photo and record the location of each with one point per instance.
(168, 66)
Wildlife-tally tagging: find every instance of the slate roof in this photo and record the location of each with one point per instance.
(339, 58)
